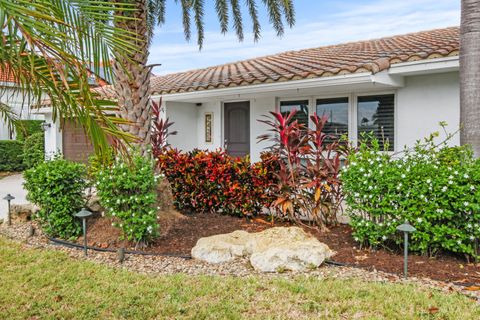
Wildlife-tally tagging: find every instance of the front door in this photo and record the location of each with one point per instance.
(237, 128)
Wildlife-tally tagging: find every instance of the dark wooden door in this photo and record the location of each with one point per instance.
(76, 144)
(237, 128)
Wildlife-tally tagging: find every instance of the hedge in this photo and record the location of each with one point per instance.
(34, 150)
(26, 128)
(11, 155)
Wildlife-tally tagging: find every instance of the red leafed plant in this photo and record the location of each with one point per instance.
(307, 185)
(160, 130)
(213, 181)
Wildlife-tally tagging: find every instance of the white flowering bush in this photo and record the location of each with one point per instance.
(127, 191)
(432, 186)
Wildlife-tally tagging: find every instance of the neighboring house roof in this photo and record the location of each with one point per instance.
(6, 75)
(354, 57)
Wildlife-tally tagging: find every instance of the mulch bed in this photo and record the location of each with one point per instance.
(179, 235)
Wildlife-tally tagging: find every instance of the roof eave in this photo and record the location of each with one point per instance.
(428, 66)
(353, 78)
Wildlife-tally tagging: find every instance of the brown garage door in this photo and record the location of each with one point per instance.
(76, 144)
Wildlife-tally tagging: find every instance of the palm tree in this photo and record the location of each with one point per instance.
(470, 74)
(132, 83)
(51, 47)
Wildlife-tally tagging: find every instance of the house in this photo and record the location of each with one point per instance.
(19, 102)
(399, 87)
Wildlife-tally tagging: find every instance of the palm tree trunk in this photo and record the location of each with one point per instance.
(470, 74)
(132, 76)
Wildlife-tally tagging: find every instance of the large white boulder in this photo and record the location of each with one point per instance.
(275, 249)
(221, 248)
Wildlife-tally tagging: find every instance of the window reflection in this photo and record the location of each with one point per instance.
(376, 115)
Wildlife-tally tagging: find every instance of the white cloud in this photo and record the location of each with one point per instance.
(352, 23)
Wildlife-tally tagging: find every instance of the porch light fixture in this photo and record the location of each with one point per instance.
(9, 198)
(84, 214)
(46, 126)
(406, 228)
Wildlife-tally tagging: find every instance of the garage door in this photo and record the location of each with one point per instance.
(76, 144)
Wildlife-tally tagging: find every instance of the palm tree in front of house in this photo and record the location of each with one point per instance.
(470, 74)
(51, 47)
(132, 83)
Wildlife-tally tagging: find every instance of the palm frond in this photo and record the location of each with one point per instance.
(252, 9)
(52, 46)
(222, 12)
(7, 115)
(237, 19)
(198, 16)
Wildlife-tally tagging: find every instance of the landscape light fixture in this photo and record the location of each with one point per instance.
(406, 228)
(84, 214)
(9, 198)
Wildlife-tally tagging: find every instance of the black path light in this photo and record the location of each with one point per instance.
(84, 214)
(9, 198)
(406, 228)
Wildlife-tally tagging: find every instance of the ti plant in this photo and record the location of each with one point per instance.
(160, 130)
(307, 186)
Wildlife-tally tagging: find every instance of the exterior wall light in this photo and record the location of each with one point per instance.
(46, 126)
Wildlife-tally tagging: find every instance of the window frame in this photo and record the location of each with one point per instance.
(352, 110)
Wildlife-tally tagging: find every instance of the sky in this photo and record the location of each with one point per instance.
(318, 23)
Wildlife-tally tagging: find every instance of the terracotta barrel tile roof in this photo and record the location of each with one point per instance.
(362, 56)
(6, 75)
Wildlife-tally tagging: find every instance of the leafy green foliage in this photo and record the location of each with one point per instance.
(11, 155)
(57, 186)
(34, 150)
(434, 187)
(25, 128)
(127, 190)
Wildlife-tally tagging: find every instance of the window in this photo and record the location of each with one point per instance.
(337, 111)
(376, 114)
(302, 110)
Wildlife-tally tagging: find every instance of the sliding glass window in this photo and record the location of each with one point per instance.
(375, 114)
(336, 109)
(302, 110)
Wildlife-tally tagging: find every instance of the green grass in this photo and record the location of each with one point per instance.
(47, 284)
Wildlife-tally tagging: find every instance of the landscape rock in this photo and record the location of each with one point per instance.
(271, 250)
(93, 204)
(222, 248)
(292, 249)
(23, 212)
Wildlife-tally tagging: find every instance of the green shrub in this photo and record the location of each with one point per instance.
(435, 188)
(26, 128)
(11, 158)
(34, 150)
(127, 190)
(57, 186)
(96, 163)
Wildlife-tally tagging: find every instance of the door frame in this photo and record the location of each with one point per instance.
(223, 126)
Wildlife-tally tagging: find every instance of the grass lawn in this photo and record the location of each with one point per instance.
(37, 284)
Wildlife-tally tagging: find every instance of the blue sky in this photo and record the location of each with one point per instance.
(318, 23)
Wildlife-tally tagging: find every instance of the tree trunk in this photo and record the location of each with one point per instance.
(470, 75)
(132, 77)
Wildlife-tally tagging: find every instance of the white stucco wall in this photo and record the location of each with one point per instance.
(259, 107)
(214, 107)
(423, 103)
(185, 118)
(53, 137)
